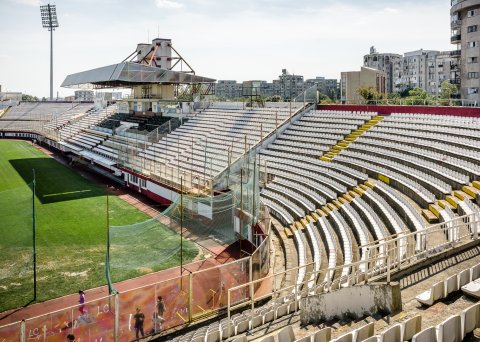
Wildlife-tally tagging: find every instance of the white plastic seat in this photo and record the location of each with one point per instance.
(463, 278)
(451, 285)
(392, 334)
(436, 292)
(344, 338)
(426, 335)
(286, 334)
(472, 288)
(324, 335)
(256, 321)
(364, 333)
(450, 330)
(470, 319)
(411, 327)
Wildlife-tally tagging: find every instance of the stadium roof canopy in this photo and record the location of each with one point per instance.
(129, 74)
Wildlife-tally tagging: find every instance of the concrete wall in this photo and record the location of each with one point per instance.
(354, 302)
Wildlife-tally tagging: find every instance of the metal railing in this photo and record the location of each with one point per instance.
(385, 257)
(434, 102)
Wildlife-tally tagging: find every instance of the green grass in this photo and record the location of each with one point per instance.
(71, 225)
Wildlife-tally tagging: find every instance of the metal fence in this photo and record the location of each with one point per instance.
(433, 102)
(384, 257)
(192, 295)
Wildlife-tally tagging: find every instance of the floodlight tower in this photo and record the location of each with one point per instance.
(50, 21)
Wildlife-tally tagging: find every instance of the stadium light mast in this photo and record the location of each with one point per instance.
(50, 22)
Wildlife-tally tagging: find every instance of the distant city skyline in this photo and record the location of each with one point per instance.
(223, 40)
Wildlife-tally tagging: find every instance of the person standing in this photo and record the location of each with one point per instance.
(160, 306)
(139, 319)
(81, 300)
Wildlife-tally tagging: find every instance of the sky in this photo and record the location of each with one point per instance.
(221, 39)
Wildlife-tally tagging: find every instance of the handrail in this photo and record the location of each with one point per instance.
(416, 102)
(377, 264)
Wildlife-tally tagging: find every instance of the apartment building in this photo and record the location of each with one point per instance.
(351, 81)
(465, 25)
(386, 62)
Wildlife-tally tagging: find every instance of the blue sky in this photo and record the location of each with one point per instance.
(222, 39)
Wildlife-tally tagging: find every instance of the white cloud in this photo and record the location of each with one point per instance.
(391, 10)
(27, 2)
(166, 4)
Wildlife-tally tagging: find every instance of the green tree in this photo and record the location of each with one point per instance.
(324, 99)
(370, 94)
(418, 96)
(26, 97)
(274, 98)
(447, 90)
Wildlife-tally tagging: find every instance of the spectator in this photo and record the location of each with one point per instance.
(82, 302)
(70, 338)
(139, 319)
(160, 306)
(157, 323)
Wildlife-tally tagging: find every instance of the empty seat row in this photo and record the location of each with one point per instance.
(442, 289)
(453, 329)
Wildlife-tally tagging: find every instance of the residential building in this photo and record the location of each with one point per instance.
(386, 62)
(465, 25)
(290, 85)
(412, 70)
(351, 81)
(325, 86)
(228, 89)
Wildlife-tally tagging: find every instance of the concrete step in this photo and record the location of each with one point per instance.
(429, 216)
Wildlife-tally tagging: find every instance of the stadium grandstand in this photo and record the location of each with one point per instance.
(358, 223)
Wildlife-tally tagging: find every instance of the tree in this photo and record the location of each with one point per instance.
(446, 91)
(274, 98)
(370, 94)
(324, 99)
(26, 97)
(418, 96)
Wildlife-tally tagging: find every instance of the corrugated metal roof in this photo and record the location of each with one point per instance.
(128, 74)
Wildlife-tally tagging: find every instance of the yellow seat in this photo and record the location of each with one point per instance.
(299, 226)
(337, 204)
(370, 185)
(435, 209)
(364, 187)
(358, 190)
(453, 200)
(462, 195)
(476, 184)
(288, 232)
(471, 191)
(446, 204)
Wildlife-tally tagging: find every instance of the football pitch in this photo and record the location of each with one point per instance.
(71, 225)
